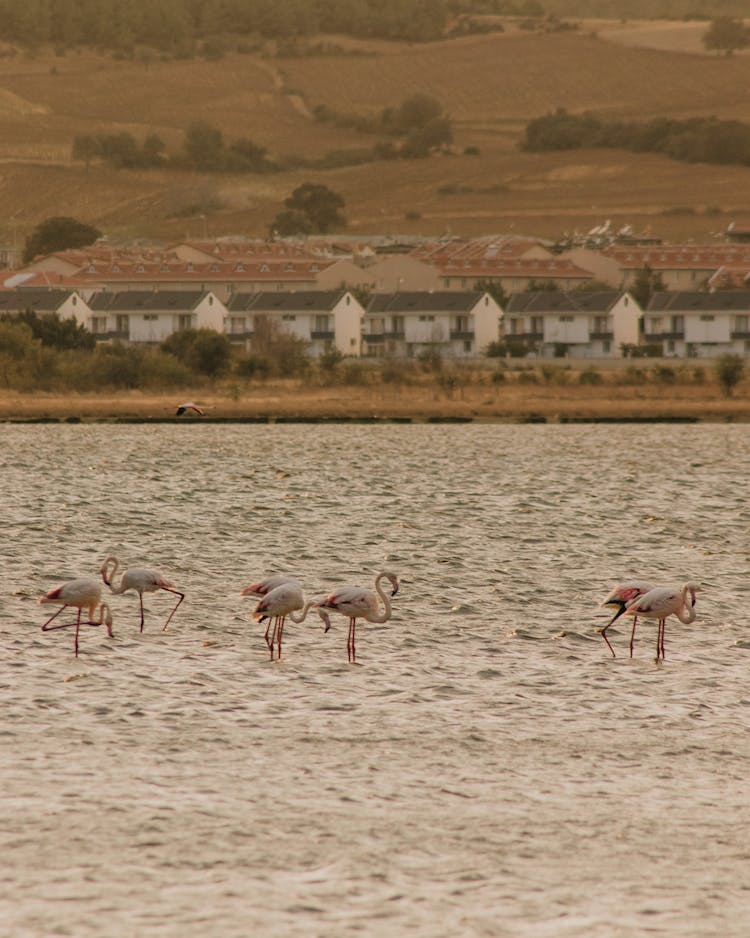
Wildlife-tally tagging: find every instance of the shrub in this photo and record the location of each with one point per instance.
(729, 370)
(590, 376)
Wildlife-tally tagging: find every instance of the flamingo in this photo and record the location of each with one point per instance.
(84, 593)
(357, 602)
(265, 586)
(660, 603)
(282, 601)
(620, 596)
(189, 405)
(142, 580)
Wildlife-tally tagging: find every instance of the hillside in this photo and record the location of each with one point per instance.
(490, 85)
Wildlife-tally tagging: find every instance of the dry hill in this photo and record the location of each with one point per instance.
(490, 85)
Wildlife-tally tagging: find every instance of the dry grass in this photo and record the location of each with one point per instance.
(491, 85)
(512, 401)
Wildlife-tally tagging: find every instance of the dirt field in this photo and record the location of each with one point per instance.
(288, 401)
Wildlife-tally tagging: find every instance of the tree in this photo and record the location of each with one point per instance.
(58, 234)
(645, 284)
(54, 332)
(729, 370)
(204, 350)
(726, 35)
(204, 147)
(291, 222)
(320, 204)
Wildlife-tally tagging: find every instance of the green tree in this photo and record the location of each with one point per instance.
(206, 351)
(729, 370)
(54, 332)
(645, 284)
(289, 223)
(204, 147)
(726, 35)
(320, 204)
(58, 234)
(495, 290)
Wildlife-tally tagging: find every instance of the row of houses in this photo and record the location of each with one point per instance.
(407, 324)
(514, 264)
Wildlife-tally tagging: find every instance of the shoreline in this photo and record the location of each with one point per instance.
(288, 403)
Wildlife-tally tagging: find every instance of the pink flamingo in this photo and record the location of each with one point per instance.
(356, 602)
(265, 586)
(620, 596)
(84, 593)
(282, 601)
(189, 405)
(660, 603)
(142, 580)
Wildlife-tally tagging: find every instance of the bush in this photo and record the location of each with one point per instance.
(729, 370)
(590, 376)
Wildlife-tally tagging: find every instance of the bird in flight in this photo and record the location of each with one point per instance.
(189, 405)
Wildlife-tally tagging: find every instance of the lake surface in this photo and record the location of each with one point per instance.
(485, 768)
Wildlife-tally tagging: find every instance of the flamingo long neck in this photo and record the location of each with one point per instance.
(385, 615)
(302, 615)
(686, 613)
(109, 580)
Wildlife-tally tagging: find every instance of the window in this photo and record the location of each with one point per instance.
(288, 317)
(707, 318)
(427, 319)
(566, 319)
(98, 324)
(150, 317)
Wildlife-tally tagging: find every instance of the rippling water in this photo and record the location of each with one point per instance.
(486, 768)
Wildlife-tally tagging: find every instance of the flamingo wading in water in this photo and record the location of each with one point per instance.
(660, 603)
(357, 602)
(620, 596)
(142, 580)
(282, 601)
(84, 593)
(264, 586)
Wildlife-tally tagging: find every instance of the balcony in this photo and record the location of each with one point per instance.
(601, 336)
(240, 335)
(112, 335)
(462, 336)
(663, 336)
(323, 335)
(739, 334)
(525, 337)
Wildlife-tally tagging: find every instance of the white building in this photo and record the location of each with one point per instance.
(152, 315)
(325, 319)
(577, 325)
(452, 323)
(699, 325)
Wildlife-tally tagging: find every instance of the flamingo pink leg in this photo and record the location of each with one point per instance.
(632, 635)
(351, 650)
(177, 593)
(140, 599)
(279, 633)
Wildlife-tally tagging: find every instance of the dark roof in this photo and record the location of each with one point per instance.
(428, 301)
(128, 301)
(545, 301)
(694, 299)
(285, 301)
(41, 301)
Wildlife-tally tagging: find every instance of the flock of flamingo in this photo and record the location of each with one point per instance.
(280, 596)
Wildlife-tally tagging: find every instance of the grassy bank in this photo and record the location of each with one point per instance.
(511, 400)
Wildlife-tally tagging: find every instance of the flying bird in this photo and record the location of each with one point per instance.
(619, 597)
(84, 593)
(357, 602)
(278, 603)
(660, 603)
(189, 405)
(142, 580)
